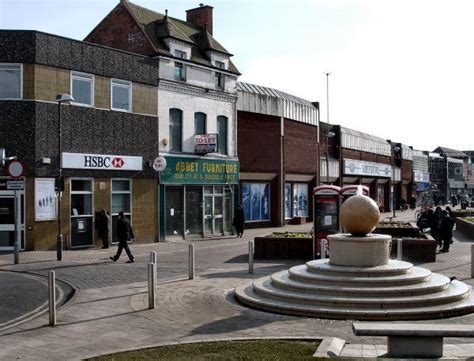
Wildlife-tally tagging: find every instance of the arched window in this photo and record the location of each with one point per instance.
(199, 123)
(222, 134)
(176, 127)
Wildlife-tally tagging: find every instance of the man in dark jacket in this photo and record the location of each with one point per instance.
(446, 231)
(103, 228)
(124, 234)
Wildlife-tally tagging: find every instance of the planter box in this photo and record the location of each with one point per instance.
(298, 220)
(407, 230)
(465, 227)
(283, 248)
(461, 214)
(416, 249)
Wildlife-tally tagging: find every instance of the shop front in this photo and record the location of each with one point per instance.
(12, 212)
(197, 197)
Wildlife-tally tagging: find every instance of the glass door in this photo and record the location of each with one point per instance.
(213, 211)
(7, 220)
(81, 219)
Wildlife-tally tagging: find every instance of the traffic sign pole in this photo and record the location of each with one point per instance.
(16, 246)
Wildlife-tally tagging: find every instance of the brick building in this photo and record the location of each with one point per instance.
(278, 151)
(197, 114)
(105, 138)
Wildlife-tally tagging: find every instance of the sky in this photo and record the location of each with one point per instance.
(401, 70)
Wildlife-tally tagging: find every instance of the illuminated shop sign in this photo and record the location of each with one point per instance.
(182, 170)
(99, 161)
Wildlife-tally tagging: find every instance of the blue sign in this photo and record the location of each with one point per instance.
(423, 186)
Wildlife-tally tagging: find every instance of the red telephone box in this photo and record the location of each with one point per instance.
(325, 212)
(350, 190)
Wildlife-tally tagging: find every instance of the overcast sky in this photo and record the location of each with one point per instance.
(400, 70)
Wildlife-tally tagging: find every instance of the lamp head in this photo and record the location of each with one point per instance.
(64, 98)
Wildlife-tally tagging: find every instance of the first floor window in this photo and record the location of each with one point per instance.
(219, 80)
(179, 71)
(121, 95)
(176, 125)
(256, 201)
(82, 88)
(199, 123)
(222, 134)
(287, 200)
(300, 200)
(11, 76)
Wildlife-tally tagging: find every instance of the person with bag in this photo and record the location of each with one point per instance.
(124, 234)
(446, 231)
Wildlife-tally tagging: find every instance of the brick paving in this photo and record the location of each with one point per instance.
(109, 311)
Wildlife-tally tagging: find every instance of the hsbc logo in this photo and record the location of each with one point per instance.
(101, 161)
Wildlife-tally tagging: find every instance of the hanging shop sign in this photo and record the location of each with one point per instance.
(205, 143)
(182, 170)
(419, 176)
(45, 199)
(99, 161)
(357, 167)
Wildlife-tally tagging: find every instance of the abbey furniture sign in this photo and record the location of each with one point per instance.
(357, 167)
(100, 161)
(184, 170)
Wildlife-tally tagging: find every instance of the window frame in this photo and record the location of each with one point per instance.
(170, 135)
(226, 150)
(112, 192)
(205, 123)
(126, 84)
(179, 64)
(20, 66)
(180, 54)
(219, 64)
(83, 76)
(219, 80)
(261, 186)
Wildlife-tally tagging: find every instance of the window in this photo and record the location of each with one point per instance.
(121, 202)
(222, 134)
(121, 93)
(81, 213)
(176, 125)
(180, 54)
(82, 88)
(287, 200)
(300, 200)
(11, 79)
(179, 71)
(199, 123)
(256, 201)
(219, 80)
(220, 64)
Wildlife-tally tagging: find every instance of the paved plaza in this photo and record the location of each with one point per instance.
(108, 312)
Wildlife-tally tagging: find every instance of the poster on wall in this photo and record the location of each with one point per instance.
(45, 199)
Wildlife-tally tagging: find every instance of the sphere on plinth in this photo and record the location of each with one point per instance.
(359, 215)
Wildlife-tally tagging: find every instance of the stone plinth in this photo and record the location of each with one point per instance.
(367, 251)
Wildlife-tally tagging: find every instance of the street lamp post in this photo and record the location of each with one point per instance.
(61, 98)
(395, 149)
(329, 134)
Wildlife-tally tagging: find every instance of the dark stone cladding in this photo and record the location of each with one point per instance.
(33, 47)
(29, 131)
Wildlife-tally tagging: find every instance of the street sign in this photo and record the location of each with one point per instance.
(15, 169)
(17, 185)
(159, 164)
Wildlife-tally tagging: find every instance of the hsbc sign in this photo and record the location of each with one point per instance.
(99, 161)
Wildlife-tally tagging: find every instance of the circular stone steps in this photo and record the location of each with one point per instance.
(396, 291)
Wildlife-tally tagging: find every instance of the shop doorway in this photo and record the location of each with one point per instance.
(81, 213)
(213, 210)
(8, 213)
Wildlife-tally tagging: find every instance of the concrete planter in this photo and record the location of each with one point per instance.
(465, 227)
(421, 249)
(284, 248)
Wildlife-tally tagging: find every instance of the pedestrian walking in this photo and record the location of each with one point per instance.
(103, 228)
(403, 204)
(124, 234)
(434, 219)
(446, 231)
(239, 220)
(412, 202)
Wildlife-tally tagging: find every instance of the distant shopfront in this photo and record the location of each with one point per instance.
(197, 197)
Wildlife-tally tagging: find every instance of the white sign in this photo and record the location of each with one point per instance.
(159, 164)
(45, 199)
(16, 185)
(205, 143)
(357, 167)
(419, 176)
(327, 220)
(100, 161)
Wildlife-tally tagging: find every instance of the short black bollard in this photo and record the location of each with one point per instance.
(251, 252)
(59, 247)
(191, 261)
(52, 297)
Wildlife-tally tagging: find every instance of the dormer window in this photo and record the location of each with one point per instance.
(180, 54)
(220, 65)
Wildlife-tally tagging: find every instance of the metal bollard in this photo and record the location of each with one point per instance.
(151, 285)
(16, 253)
(323, 248)
(472, 260)
(191, 261)
(59, 247)
(52, 297)
(399, 249)
(251, 251)
(154, 260)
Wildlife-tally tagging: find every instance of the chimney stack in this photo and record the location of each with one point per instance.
(201, 17)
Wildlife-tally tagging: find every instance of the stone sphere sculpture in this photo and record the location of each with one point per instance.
(359, 215)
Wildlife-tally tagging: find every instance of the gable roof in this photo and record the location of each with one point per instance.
(159, 27)
(448, 152)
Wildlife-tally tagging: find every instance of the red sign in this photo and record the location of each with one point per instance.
(15, 169)
(205, 143)
(118, 162)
